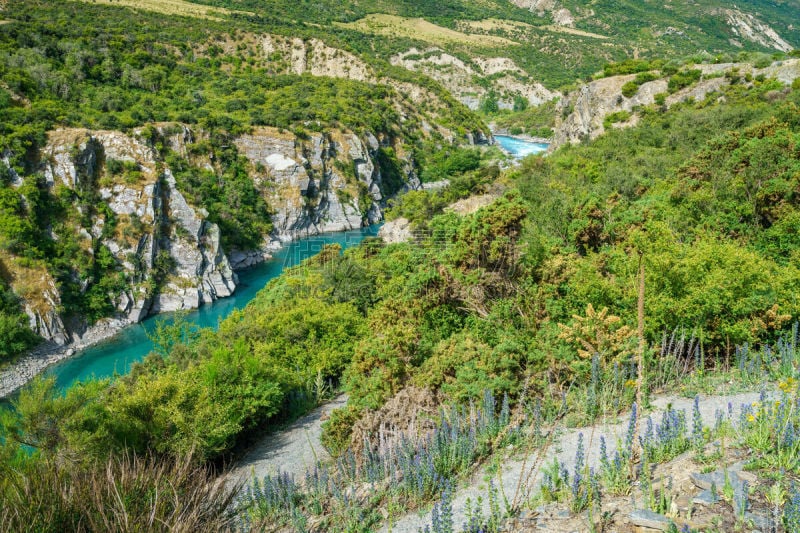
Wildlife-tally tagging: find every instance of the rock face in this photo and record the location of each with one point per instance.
(396, 231)
(314, 57)
(202, 271)
(580, 115)
(327, 182)
(153, 222)
(749, 28)
(560, 15)
(505, 77)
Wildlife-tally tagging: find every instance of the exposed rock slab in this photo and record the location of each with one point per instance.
(650, 520)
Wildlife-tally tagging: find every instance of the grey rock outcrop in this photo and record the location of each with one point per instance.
(580, 114)
(153, 219)
(502, 75)
(44, 319)
(396, 231)
(167, 250)
(328, 182)
(202, 272)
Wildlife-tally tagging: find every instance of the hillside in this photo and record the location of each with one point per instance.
(493, 325)
(150, 149)
(134, 170)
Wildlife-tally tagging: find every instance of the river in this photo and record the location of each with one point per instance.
(131, 344)
(520, 148)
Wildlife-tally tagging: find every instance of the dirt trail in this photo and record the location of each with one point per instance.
(292, 450)
(564, 447)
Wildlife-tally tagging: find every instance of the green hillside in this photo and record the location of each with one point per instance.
(555, 55)
(651, 255)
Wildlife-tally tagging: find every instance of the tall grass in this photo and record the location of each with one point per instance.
(125, 494)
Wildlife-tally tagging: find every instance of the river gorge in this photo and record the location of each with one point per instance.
(115, 355)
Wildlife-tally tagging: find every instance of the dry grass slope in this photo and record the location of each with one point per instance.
(417, 28)
(169, 7)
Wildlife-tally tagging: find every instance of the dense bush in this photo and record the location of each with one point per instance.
(683, 79)
(15, 333)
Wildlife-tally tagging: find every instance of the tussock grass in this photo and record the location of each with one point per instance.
(126, 493)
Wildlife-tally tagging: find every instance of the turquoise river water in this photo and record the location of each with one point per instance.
(519, 148)
(131, 344)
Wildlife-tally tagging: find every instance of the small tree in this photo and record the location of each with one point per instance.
(489, 104)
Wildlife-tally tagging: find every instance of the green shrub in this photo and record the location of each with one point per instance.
(683, 79)
(630, 89)
(615, 117)
(336, 431)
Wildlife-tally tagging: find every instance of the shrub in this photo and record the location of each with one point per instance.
(337, 429)
(683, 79)
(615, 117)
(630, 89)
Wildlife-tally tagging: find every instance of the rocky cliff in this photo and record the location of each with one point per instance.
(748, 27)
(582, 113)
(167, 250)
(152, 222)
(499, 75)
(326, 182)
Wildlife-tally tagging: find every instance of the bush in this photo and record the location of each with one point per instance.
(630, 89)
(683, 79)
(615, 117)
(337, 429)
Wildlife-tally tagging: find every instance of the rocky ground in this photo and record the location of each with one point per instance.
(17, 374)
(292, 450)
(520, 474)
(692, 500)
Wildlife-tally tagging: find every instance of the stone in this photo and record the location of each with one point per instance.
(396, 231)
(716, 478)
(649, 519)
(759, 521)
(706, 498)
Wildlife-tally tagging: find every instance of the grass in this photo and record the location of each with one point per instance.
(30, 280)
(421, 29)
(123, 494)
(171, 7)
(573, 31)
